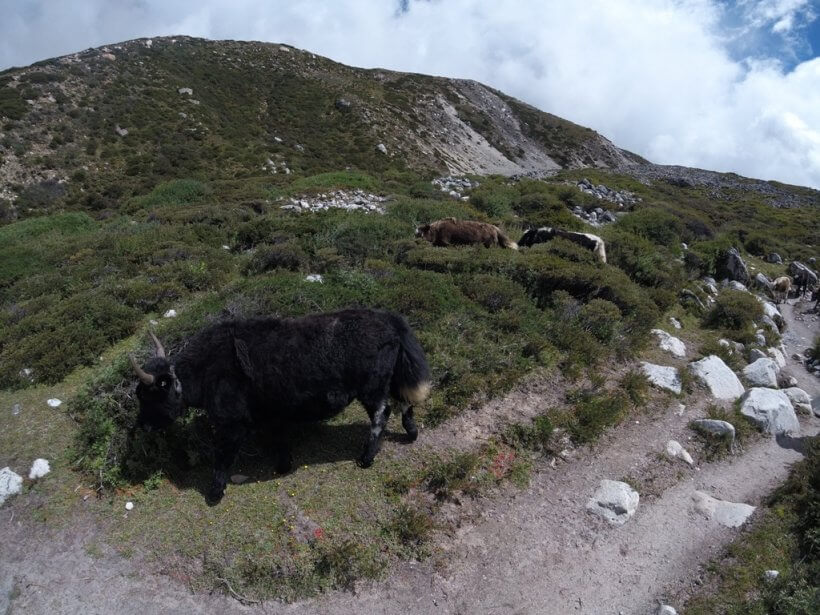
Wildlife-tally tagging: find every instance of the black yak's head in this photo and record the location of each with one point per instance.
(159, 391)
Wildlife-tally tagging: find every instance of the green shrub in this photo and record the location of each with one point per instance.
(337, 179)
(636, 386)
(12, 105)
(445, 477)
(176, 192)
(493, 199)
(534, 437)
(644, 262)
(735, 310)
(279, 256)
(655, 225)
(594, 412)
(545, 209)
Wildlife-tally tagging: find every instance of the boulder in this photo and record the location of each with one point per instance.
(614, 501)
(715, 427)
(761, 373)
(722, 381)
(800, 271)
(735, 285)
(675, 450)
(774, 257)
(799, 398)
(675, 322)
(768, 322)
(730, 514)
(777, 355)
(762, 282)
(669, 343)
(11, 484)
(687, 296)
(733, 267)
(665, 609)
(770, 310)
(755, 354)
(771, 410)
(662, 376)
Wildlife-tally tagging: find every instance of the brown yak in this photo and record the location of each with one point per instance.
(452, 232)
(782, 287)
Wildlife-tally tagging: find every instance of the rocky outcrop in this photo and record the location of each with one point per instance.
(799, 398)
(771, 410)
(733, 267)
(800, 271)
(339, 199)
(614, 501)
(716, 375)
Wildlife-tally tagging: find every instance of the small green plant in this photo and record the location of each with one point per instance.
(446, 477)
(636, 386)
(412, 528)
(734, 310)
(535, 436)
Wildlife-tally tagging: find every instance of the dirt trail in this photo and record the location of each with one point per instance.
(536, 551)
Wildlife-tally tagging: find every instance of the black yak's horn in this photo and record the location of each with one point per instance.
(158, 344)
(144, 376)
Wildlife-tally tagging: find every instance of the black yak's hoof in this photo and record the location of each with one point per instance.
(284, 464)
(215, 494)
(412, 435)
(366, 460)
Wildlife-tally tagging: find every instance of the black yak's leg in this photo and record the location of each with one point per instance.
(379, 413)
(229, 439)
(408, 422)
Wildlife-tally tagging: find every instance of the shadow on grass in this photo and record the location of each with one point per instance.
(311, 444)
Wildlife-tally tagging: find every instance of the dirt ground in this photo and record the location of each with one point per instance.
(530, 551)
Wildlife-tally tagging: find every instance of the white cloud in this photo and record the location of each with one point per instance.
(652, 75)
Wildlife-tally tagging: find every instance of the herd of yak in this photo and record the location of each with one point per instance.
(265, 374)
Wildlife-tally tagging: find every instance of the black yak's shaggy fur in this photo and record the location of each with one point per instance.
(546, 233)
(270, 372)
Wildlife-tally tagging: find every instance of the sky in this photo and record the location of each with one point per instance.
(727, 85)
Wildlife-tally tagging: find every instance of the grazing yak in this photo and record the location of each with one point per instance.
(782, 287)
(452, 232)
(546, 233)
(271, 372)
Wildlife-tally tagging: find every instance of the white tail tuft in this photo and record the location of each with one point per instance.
(416, 394)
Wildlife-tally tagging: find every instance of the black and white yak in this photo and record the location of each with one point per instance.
(547, 233)
(270, 372)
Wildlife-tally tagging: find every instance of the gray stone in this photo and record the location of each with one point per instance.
(120, 131)
(800, 271)
(665, 609)
(614, 501)
(762, 282)
(710, 288)
(768, 322)
(342, 104)
(761, 373)
(774, 257)
(669, 343)
(730, 514)
(755, 354)
(770, 575)
(674, 449)
(39, 468)
(799, 398)
(687, 296)
(662, 376)
(722, 381)
(675, 322)
(777, 355)
(54, 402)
(382, 148)
(733, 267)
(187, 91)
(715, 427)
(11, 484)
(771, 410)
(735, 285)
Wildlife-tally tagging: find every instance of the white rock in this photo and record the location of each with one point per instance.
(722, 381)
(735, 285)
(121, 131)
(710, 288)
(771, 575)
(170, 314)
(771, 410)
(665, 609)
(762, 373)
(226, 247)
(615, 501)
(11, 484)
(730, 514)
(675, 322)
(799, 398)
(674, 449)
(54, 402)
(39, 469)
(669, 343)
(381, 147)
(772, 312)
(187, 91)
(129, 506)
(680, 409)
(153, 322)
(715, 427)
(777, 355)
(662, 376)
(314, 277)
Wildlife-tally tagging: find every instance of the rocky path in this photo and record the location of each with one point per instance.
(536, 551)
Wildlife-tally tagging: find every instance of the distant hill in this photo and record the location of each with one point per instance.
(103, 123)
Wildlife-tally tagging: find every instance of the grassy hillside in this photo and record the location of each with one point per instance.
(185, 212)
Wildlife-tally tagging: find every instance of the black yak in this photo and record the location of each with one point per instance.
(271, 372)
(452, 232)
(546, 233)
